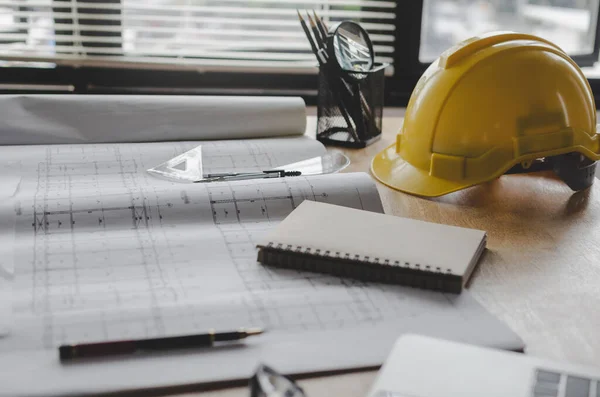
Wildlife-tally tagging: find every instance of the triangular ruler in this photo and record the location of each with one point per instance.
(186, 167)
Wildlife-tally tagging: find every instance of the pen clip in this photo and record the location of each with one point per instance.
(322, 55)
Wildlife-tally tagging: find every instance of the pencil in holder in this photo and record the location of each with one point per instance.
(350, 106)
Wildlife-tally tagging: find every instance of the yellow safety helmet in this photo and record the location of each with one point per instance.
(495, 104)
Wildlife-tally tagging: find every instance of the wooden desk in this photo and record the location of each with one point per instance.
(541, 274)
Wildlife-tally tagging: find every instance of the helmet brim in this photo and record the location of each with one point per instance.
(392, 170)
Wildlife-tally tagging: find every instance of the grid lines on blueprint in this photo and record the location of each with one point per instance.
(108, 252)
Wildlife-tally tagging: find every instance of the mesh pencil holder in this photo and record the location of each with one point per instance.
(350, 106)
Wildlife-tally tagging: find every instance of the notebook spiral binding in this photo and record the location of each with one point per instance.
(348, 256)
(365, 268)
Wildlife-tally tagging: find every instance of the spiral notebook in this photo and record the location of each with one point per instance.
(346, 242)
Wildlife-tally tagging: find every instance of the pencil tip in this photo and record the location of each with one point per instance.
(299, 16)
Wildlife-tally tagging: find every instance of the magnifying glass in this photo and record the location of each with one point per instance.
(350, 46)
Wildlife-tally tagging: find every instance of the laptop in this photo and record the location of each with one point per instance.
(421, 366)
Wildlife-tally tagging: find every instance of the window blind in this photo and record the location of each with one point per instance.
(223, 35)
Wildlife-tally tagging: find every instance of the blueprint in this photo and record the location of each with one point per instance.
(9, 188)
(73, 119)
(104, 251)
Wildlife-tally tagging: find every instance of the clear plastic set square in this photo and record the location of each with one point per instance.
(188, 167)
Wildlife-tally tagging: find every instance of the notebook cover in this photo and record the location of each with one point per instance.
(375, 247)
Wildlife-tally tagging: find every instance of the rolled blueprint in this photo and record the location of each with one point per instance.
(54, 119)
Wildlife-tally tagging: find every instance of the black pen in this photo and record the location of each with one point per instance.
(242, 176)
(111, 348)
(321, 26)
(316, 32)
(319, 52)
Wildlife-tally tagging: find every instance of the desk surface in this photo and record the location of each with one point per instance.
(541, 274)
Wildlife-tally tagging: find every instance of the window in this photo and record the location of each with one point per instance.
(572, 24)
(201, 35)
(254, 47)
